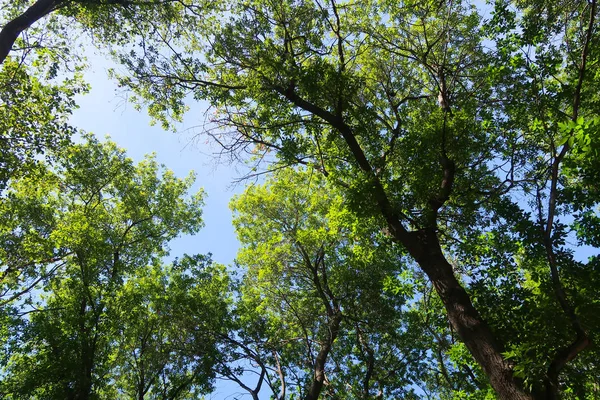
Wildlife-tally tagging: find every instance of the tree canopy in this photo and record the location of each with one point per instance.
(433, 183)
(90, 308)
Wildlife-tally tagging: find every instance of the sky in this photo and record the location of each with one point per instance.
(106, 111)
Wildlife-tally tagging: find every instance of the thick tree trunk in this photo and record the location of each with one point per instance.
(463, 316)
(84, 389)
(83, 383)
(424, 247)
(11, 31)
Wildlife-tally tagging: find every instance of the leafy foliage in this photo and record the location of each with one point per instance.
(446, 148)
(325, 289)
(415, 111)
(33, 118)
(99, 314)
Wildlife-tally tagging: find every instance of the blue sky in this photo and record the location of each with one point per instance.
(105, 111)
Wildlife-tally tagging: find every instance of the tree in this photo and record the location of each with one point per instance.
(13, 28)
(41, 64)
(411, 108)
(168, 322)
(327, 307)
(77, 242)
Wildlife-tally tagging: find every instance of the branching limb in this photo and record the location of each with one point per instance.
(582, 341)
(11, 31)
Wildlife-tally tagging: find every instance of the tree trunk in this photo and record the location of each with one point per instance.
(11, 31)
(321, 359)
(83, 383)
(463, 316)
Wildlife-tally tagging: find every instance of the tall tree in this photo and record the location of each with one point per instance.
(107, 19)
(167, 323)
(77, 240)
(41, 61)
(14, 27)
(327, 308)
(405, 107)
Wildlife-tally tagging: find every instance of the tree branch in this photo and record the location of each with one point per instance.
(582, 341)
(11, 31)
